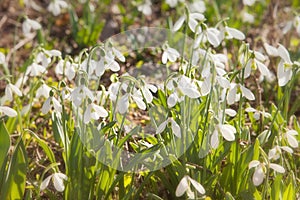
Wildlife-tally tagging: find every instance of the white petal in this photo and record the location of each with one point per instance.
(47, 105)
(263, 68)
(214, 140)
(223, 82)
(259, 56)
(176, 128)
(235, 33)
(161, 127)
(250, 109)
(197, 16)
(284, 54)
(182, 187)
(228, 132)
(230, 112)
(292, 132)
(164, 58)
(123, 104)
(258, 176)
(57, 105)
(113, 66)
(283, 75)
(206, 86)
(197, 186)
(119, 55)
(292, 140)
(287, 149)
(45, 182)
(15, 89)
(277, 168)
(88, 93)
(190, 92)
(100, 69)
(193, 24)
(147, 94)
(247, 93)
(70, 73)
(100, 111)
(139, 102)
(8, 93)
(35, 25)
(172, 100)
(8, 111)
(271, 51)
(178, 24)
(253, 163)
(231, 95)
(87, 114)
(2, 58)
(58, 183)
(213, 39)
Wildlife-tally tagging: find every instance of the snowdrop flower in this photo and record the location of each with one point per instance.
(173, 99)
(260, 170)
(248, 2)
(123, 104)
(47, 105)
(136, 96)
(89, 66)
(65, 68)
(170, 54)
(211, 35)
(231, 33)
(188, 87)
(173, 3)
(232, 96)
(2, 58)
(35, 69)
(118, 54)
(197, 6)
(184, 186)
(29, 25)
(146, 90)
(43, 90)
(174, 126)
(56, 6)
(145, 8)
(44, 57)
(230, 112)
(192, 20)
(257, 113)
(257, 62)
(80, 93)
(58, 181)
(113, 90)
(227, 131)
(8, 111)
(10, 89)
(284, 69)
(271, 51)
(275, 152)
(247, 17)
(297, 24)
(94, 112)
(184, 87)
(290, 136)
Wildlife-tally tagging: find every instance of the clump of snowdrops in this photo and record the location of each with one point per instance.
(207, 119)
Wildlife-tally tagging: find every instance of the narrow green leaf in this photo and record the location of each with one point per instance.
(4, 142)
(289, 192)
(14, 186)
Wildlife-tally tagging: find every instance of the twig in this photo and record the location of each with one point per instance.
(2, 21)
